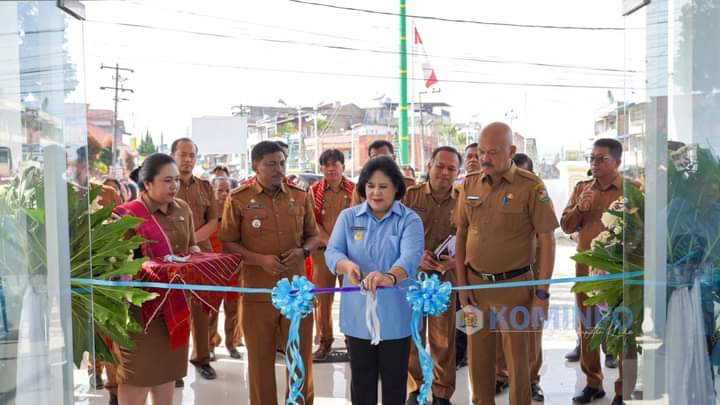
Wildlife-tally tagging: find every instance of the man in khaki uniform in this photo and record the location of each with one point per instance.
(471, 164)
(272, 225)
(583, 213)
(330, 196)
(500, 212)
(200, 196)
(380, 148)
(434, 201)
(524, 162)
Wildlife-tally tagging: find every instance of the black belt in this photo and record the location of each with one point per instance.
(500, 276)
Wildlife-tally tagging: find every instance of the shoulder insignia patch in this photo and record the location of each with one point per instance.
(542, 194)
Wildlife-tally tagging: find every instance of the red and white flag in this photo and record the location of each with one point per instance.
(428, 71)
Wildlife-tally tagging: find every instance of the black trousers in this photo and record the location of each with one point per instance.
(387, 361)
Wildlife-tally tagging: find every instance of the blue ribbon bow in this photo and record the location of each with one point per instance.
(295, 301)
(428, 297)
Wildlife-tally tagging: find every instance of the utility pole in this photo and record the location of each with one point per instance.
(117, 88)
(403, 127)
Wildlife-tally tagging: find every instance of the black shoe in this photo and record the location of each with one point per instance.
(461, 363)
(500, 386)
(537, 393)
(588, 395)
(412, 398)
(440, 401)
(212, 356)
(235, 354)
(113, 400)
(574, 355)
(618, 400)
(207, 372)
(179, 383)
(610, 361)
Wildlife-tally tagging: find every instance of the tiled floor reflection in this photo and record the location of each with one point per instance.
(560, 380)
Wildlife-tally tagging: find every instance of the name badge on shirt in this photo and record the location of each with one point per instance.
(358, 232)
(254, 205)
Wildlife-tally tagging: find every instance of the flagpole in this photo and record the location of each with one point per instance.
(413, 135)
(403, 127)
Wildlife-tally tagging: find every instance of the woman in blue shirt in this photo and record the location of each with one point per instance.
(378, 243)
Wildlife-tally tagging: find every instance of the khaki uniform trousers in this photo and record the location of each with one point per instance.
(260, 321)
(200, 327)
(514, 325)
(323, 278)
(535, 352)
(233, 331)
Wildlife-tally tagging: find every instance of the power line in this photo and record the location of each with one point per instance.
(456, 20)
(278, 27)
(369, 76)
(350, 48)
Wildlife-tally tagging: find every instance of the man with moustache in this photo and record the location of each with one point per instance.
(272, 225)
(434, 201)
(501, 211)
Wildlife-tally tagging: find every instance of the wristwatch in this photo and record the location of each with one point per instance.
(306, 252)
(542, 294)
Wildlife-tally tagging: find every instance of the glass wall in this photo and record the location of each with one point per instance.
(676, 307)
(42, 134)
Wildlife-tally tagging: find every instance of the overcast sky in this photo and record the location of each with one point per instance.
(195, 58)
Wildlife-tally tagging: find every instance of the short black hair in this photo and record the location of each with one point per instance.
(613, 145)
(449, 149)
(174, 145)
(150, 168)
(472, 145)
(222, 169)
(282, 144)
(379, 144)
(331, 155)
(521, 159)
(387, 165)
(264, 148)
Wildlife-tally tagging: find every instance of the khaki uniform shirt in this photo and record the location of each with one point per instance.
(436, 216)
(176, 219)
(268, 225)
(200, 197)
(356, 199)
(502, 219)
(588, 224)
(334, 201)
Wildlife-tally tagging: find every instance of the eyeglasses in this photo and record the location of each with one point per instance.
(599, 159)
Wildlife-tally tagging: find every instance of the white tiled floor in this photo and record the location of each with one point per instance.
(560, 380)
